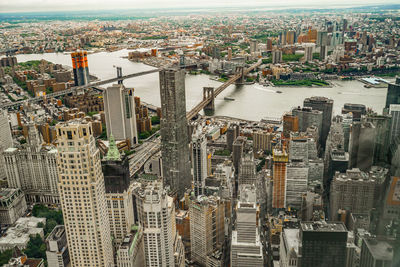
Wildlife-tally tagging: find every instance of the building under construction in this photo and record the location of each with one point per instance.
(80, 67)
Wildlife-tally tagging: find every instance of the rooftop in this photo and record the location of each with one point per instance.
(292, 239)
(379, 249)
(323, 226)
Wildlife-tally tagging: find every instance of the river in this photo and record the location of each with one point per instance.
(252, 102)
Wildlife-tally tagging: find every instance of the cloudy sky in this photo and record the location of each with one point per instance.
(65, 5)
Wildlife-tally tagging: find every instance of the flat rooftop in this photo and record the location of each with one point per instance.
(323, 226)
(292, 239)
(380, 249)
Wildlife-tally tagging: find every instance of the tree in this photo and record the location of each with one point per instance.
(5, 256)
(36, 248)
(155, 120)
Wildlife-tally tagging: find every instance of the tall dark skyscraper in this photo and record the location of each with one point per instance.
(174, 132)
(325, 105)
(80, 67)
(393, 93)
(323, 244)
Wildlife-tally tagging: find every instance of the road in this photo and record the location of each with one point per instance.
(143, 153)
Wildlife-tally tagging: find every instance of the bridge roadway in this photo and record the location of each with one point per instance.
(217, 91)
(78, 88)
(189, 115)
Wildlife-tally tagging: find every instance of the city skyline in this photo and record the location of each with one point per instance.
(11, 6)
(213, 136)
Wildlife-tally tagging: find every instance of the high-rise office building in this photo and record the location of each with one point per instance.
(253, 46)
(57, 253)
(246, 246)
(131, 251)
(119, 110)
(314, 237)
(347, 120)
(393, 93)
(309, 117)
(296, 183)
(174, 133)
(6, 140)
(156, 214)
(290, 124)
(282, 37)
(308, 52)
(394, 111)
(323, 53)
(352, 191)
(377, 251)
(361, 145)
(33, 168)
(280, 160)
(276, 56)
(237, 153)
(325, 105)
(117, 192)
(382, 125)
(199, 161)
(262, 140)
(269, 44)
(80, 68)
(355, 109)
(291, 37)
(82, 195)
(231, 134)
(206, 227)
(247, 174)
(289, 248)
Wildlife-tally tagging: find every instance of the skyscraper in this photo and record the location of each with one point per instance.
(325, 105)
(174, 133)
(199, 161)
(361, 145)
(308, 52)
(247, 174)
(118, 194)
(377, 251)
(6, 140)
(119, 109)
(206, 227)
(382, 125)
(231, 134)
(82, 195)
(309, 117)
(394, 110)
(246, 246)
(156, 214)
(296, 184)
(314, 237)
(393, 93)
(80, 68)
(352, 191)
(276, 56)
(279, 178)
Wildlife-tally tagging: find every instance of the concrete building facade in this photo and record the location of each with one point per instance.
(33, 168)
(82, 195)
(119, 110)
(174, 132)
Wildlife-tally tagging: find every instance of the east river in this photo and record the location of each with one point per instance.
(252, 102)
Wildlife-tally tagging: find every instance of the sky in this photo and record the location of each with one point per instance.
(72, 5)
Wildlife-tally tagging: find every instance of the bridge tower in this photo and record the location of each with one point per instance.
(208, 92)
(119, 74)
(240, 70)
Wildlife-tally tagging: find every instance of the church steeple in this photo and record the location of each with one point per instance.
(113, 152)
